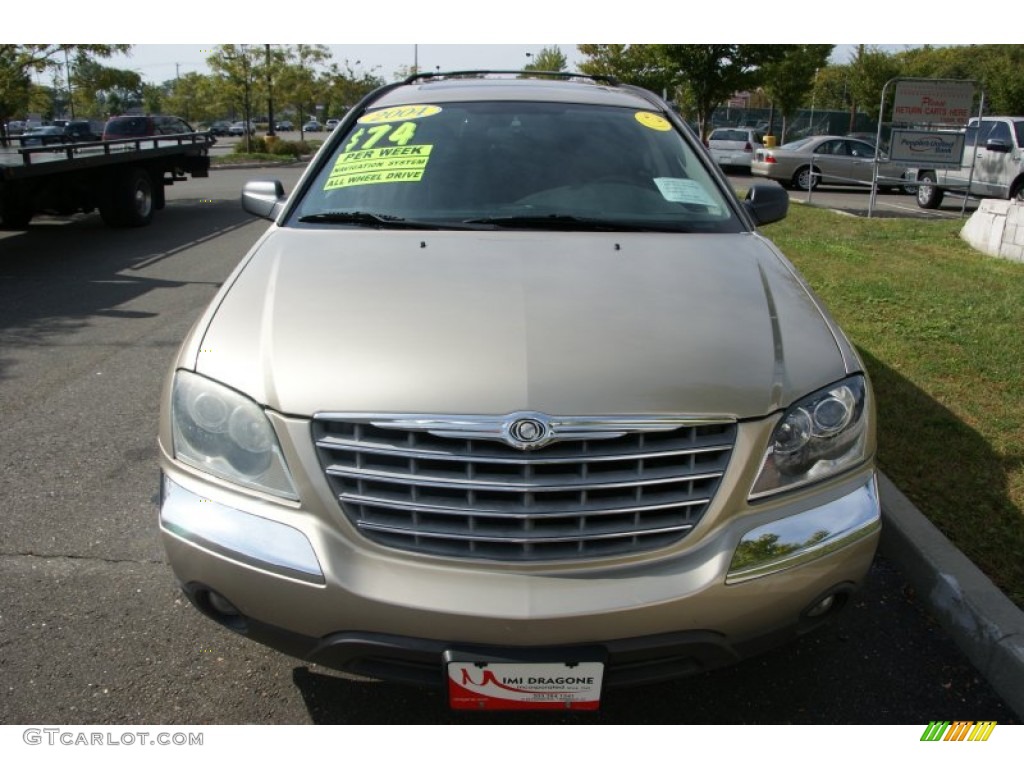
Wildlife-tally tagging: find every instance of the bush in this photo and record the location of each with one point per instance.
(272, 145)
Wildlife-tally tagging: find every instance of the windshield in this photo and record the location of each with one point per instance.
(482, 165)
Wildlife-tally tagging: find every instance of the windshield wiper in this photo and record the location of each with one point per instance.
(376, 220)
(560, 221)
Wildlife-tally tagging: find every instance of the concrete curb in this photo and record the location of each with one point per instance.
(300, 163)
(982, 621)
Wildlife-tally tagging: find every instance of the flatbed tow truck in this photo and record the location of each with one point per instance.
(124, 179)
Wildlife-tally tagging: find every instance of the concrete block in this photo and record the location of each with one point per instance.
(997, 229)
(1012, 252)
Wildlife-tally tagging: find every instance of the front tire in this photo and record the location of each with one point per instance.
(1017, 191)
(928, 195)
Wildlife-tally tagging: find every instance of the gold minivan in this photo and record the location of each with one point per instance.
(512, 397)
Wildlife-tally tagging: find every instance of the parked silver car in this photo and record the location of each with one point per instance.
(239, 127)
(808, 162)
(734, 147)
(513, 398)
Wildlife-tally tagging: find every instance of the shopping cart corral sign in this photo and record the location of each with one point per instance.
(947, 102)
(926, 148)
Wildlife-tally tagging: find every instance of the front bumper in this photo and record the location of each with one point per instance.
(290, 580)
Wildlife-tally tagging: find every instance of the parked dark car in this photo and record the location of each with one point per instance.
(46, 134)
(284, 125)
(220, 128)
(140, 126)
(68, 131)
(83, 130)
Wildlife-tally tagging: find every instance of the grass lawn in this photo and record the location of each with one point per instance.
(939, 327)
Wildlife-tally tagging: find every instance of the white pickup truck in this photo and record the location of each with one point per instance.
(996, 149)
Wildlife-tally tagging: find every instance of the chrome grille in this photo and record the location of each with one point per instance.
(625, 489)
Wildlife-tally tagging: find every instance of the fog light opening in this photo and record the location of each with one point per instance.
(821, 608)
(825, 606)
(222, 605)
(217, 607)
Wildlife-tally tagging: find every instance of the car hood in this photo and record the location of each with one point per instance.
(495, 322)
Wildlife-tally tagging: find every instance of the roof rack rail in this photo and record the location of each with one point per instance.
(610, 80)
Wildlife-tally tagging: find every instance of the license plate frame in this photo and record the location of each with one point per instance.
(488, 685)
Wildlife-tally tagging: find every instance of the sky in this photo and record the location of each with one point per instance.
(463, 34)
(160, 62)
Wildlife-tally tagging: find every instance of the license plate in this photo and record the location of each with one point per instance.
(500, 685)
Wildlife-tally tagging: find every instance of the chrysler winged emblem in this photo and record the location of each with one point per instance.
(527, 432)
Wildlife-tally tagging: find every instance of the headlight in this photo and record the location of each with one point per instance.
(226, 434)
(821, 435)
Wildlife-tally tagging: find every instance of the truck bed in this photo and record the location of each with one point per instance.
(123, 178)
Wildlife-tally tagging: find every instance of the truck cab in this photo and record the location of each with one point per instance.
(994, 146)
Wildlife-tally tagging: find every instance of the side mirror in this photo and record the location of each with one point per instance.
(766, 203)
(997, 145)
(264, 198)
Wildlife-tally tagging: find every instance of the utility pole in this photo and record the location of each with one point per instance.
(859, 62)
(814, 98)
(270, 96)
(71, 97)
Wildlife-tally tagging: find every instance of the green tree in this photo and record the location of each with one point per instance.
(707, 75)
(789, 81)
(101, 91)
(641, 65)
(832, 87)
(1002, 75)
(870, 69)
(699, 76)
(548, 60)
(343, 86)
(239, 69)
(297, 81)
(194, 97)
(19, 62)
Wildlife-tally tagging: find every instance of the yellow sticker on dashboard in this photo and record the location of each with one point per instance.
(653, 121)
(391, 114)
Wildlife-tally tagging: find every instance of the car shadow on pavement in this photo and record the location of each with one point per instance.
(62, 272)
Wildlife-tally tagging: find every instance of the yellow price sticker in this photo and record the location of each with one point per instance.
(653, 121)
(394, 114)
(384, 165)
